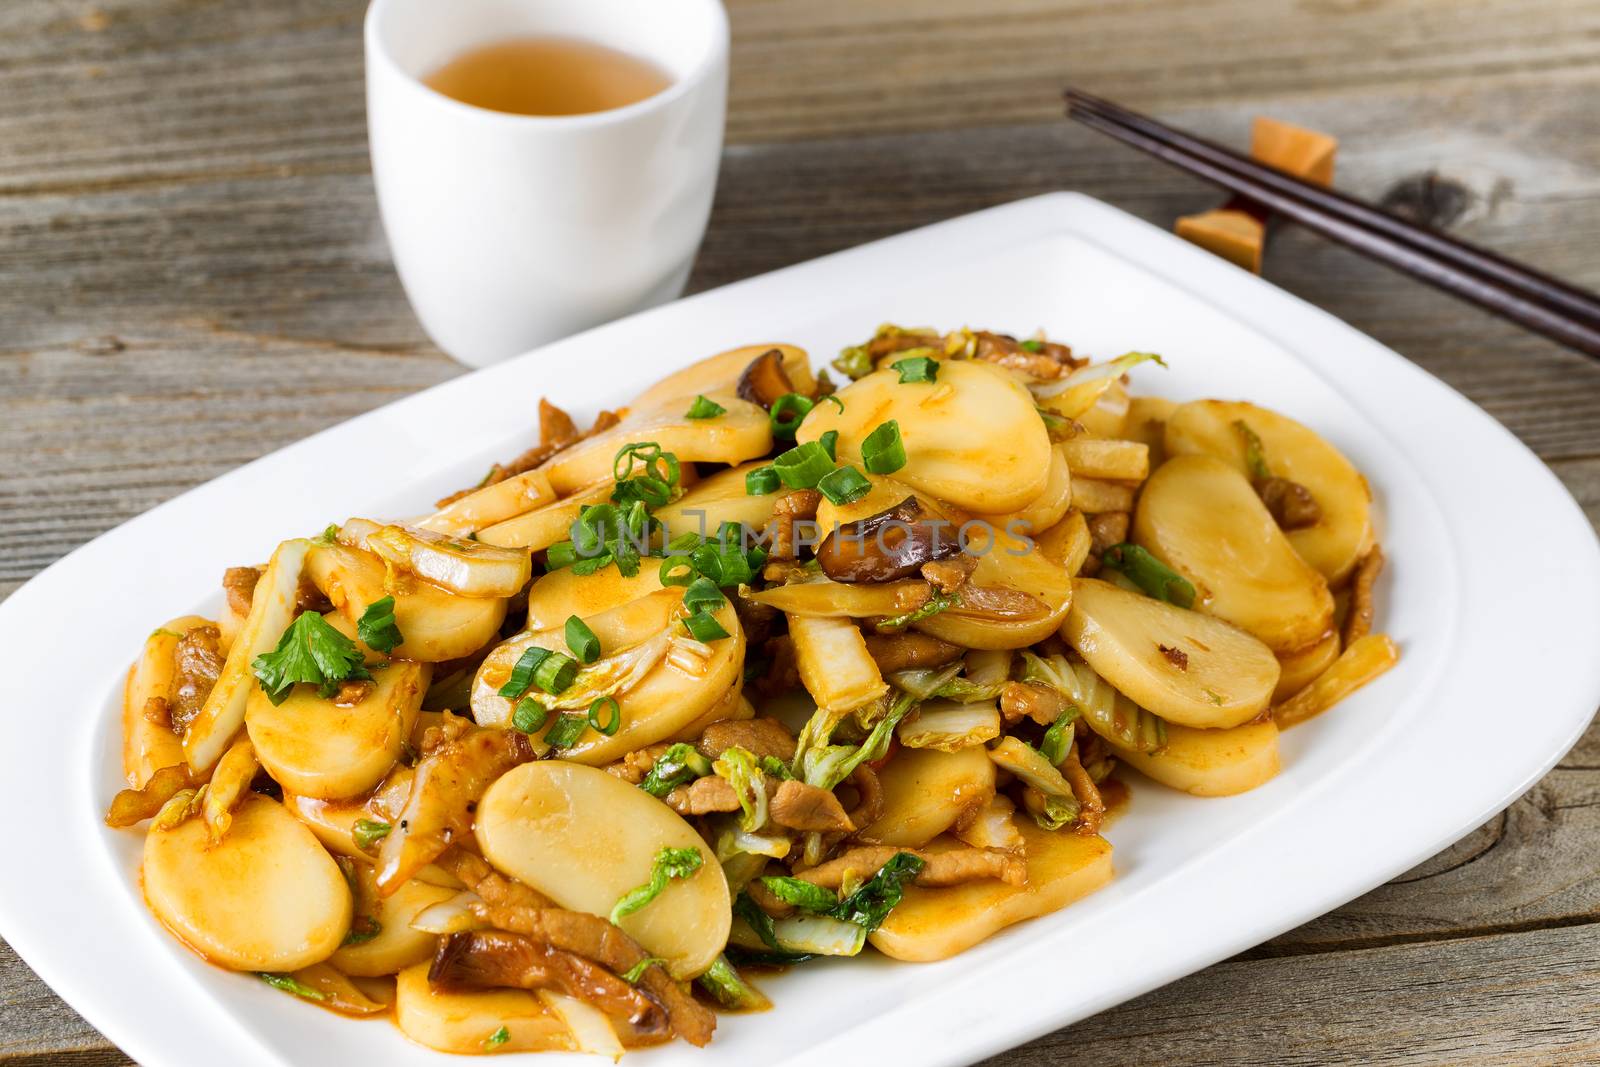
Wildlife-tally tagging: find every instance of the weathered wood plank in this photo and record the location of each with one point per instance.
(211, 304)
(1525, 998)
(124, 93)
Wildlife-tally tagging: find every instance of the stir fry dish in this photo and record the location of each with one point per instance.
(758, 670)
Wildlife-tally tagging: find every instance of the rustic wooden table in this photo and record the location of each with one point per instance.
(192, 273)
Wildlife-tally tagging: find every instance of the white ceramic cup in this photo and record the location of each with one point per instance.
(512, 230)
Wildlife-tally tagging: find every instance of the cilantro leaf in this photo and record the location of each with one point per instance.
(310, 651)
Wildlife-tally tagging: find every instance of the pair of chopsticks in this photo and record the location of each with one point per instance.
(1546, 305)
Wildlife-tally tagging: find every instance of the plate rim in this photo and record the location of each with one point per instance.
(1235, 294)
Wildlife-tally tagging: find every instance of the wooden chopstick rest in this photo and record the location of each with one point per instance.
(1237, 231)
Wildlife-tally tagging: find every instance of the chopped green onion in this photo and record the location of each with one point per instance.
(521, 679)
(676, 570)
(704, 627)
(376, 628)
(329, 534)
(291, 985)
(1032, 346)
(787, 413)
(1255, 457)
(916, 369)
(677, 766)
(830, 398)
(883, 452)
(1156, 578)
(761, 481)
(613, 713)
(368, 832)
(830, 442)
(670, 864)
(724, 559)
(803, 466)
(496, 1039)
(703, 595)
(555, 673)
(566, 730)
(581, 640)
(559, 555)
(529, 716)
(636, 972)
(1057, 741)
(704, 409)
(663, 466)
(844, 485)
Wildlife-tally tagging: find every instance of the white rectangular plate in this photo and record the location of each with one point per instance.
(1196, 879)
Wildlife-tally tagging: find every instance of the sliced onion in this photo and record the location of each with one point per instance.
(1092, 374)
(450, 916)
(591, 1030)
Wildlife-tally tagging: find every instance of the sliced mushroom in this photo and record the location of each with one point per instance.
(888, 546)
(593, 937)
(495, 959)
(765, 380)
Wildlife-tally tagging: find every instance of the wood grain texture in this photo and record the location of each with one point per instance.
(192, 274)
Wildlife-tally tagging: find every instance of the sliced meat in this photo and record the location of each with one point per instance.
(704, 796)
(635, 766)
(950, 867)
(791, 804)
(1290, 503)
(438, 811)
(761, 737)
(556, 432)
(491, 959)
(909, 649)
(199, 661)
(798, 806)
(555, 425)
(239, 585)
(1091, 806)
(792, 508)
(1358, 623)
(783, 670)
(132, 806)
(495, 888)
(1043, 360)
(1030, 700)
(948, 575)
(756, 620)
(594, 938)
(869, 795)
